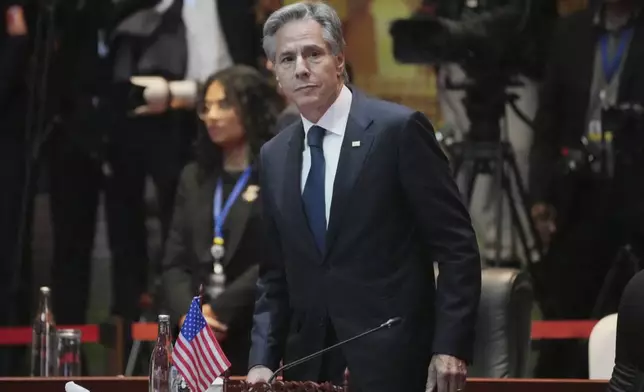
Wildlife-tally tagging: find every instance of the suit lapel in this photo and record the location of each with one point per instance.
(355, 148)
(294, 206)
(204, 223)
(236, 227)
(204, 229)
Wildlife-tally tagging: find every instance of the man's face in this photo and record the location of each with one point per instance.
(308, 73)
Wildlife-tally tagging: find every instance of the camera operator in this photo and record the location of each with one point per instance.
(596, 61)
(488, 60)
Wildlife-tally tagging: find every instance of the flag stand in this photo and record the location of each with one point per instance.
(226, 375)
(345, 384)
(201, 298)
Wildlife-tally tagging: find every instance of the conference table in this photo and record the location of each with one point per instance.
(140, 384)
(113, 335)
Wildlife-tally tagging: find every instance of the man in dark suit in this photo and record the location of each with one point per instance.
(595, 62)
(359, 202)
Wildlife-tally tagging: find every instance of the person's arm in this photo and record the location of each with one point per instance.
(176, 268)
(445, 226)
(271, 316)
(124, 8)
(237, 299)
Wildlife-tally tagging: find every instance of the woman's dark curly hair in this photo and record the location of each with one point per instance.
(257, 104)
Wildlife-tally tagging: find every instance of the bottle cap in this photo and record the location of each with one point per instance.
(69, 333)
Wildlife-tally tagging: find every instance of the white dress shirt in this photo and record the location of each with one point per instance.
(207, 48)
(335, 122)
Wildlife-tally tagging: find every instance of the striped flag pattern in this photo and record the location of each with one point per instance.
(197, 354)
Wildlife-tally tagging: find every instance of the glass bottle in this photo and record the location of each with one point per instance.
(43, 338)
(159, 377)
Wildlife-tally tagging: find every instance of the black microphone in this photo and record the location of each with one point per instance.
(387, 324)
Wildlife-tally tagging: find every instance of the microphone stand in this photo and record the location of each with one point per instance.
(388, 324)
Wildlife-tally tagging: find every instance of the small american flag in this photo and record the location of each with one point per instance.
(197, 354)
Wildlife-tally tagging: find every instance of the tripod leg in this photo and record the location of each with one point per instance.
(471, 180)
(499, 178)
(457, 163)
(539, 291)
(516, 220)
(523, 195)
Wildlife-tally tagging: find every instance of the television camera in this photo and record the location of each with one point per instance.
(494, 42)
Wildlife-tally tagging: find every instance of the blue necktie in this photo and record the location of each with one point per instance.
(313, 195)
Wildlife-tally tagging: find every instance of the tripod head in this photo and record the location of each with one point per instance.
(486, 98)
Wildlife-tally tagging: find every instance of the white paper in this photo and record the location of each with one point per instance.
(217, 385)
(73, 387)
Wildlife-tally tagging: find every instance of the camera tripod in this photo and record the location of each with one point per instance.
(483, 152)
(497, 159)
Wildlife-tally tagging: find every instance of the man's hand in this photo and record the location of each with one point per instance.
(156, 93)
(259, 374)
(218, 328)
(446, 374)
(544, 216)
(15, 21)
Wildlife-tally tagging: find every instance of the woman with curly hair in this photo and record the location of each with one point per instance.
(215, 238)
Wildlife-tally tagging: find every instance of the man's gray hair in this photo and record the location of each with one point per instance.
(318, 11)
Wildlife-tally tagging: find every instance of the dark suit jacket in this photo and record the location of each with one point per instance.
(395, 210)
(14, 55)
(148, 43)
(13, 61)
(188, 263)
(561, 118)
(628, 373)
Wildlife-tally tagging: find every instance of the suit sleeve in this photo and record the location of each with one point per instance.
(445, 226)
(238, 299)
(124, 8)
(544, 153)
(176, 267)
(271, 316)
(13, 59)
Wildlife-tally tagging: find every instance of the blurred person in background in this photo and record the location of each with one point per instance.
(514, 130)
(238, 108)
(596, 61)
(628, 371)
(102, 144)
(75, 151)
(14, 55)
(174, 41)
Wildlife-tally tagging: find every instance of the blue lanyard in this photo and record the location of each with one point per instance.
(611, 66)
(220, 215)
